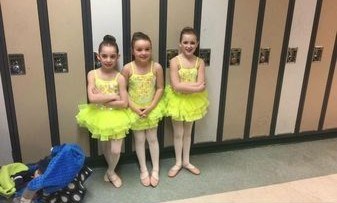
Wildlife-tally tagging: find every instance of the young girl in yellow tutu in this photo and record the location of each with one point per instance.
(145, 87)
(186, 98)
(106, 117)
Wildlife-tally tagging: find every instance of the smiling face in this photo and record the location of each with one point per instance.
(142, 50)
(108, 57)
(188, 44)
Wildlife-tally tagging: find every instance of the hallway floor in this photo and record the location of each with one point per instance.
(294, 172)
(312, 190)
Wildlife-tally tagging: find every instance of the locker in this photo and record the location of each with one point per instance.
(65, 22)
(330, 121)
(320, 69)
(5, 145)
(106, 17)
(244, 26)
(272, 39)
(21, 25)
(294, 71)
(145, 18)
(213, 24)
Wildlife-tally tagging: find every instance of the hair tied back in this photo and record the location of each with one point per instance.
(109, 38)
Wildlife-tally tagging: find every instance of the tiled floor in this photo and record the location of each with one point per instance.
(296, 172)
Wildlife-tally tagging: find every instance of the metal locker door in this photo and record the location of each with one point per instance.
(106, 17)
(330, 119)
(5, 143)
(145, 18)
(66, 32)
(268, 66)
(21, 25)
(213, 26)
(320, 66)
(179, 15)
(301, 28)
(242, 44)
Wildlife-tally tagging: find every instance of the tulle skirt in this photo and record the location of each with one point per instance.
(104, 123)
(152, 120)
(185, 107)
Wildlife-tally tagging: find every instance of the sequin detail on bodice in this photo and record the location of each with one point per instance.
(188, 74)
(107, 86)
(142, 87)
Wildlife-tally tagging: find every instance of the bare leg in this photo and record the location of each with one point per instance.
(151, 136)
(140, 151)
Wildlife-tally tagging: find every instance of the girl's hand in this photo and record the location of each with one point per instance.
(198, 86)
(202, 86)
(139, 112)
(146, 111)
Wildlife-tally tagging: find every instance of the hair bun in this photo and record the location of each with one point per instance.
(109, 38)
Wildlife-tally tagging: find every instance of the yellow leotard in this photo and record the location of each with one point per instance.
(186, 106)
(104, 122)
(142, 89)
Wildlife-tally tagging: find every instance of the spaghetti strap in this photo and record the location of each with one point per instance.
(132, 68)
(152, 67)
(180, 64)
(95, 71)
(117, 75)
(196, 62)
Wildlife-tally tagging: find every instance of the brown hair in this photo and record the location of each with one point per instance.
(187, 30)
(139, 36)
(108, 40)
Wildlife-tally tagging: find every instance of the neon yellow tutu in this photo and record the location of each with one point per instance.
(152, 120)
(104, 123)
(185, 107)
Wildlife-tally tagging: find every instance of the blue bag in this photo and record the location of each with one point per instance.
(66, 161)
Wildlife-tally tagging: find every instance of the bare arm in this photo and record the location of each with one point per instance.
(183, 87)
(122, 102)
(94, 95)
(201, 75)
